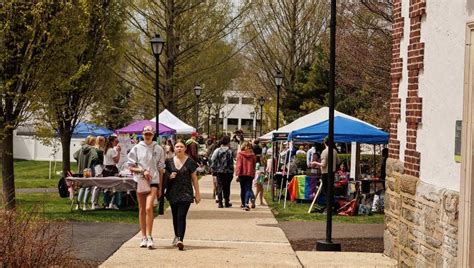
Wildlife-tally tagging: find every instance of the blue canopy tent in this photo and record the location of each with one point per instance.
(346, 130)
(83, 130)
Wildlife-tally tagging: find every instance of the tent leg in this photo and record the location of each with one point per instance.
(316, 196)
(286, 193)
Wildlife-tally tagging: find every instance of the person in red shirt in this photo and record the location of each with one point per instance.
(245, 172)
(192, 147)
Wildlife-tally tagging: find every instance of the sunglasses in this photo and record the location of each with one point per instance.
(147, 134)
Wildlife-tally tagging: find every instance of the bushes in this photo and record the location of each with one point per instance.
(26, 240)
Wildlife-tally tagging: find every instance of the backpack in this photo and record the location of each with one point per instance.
(224, 162)
(62, 188)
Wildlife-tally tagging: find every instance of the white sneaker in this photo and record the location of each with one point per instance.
(175, 240)
(113, 206)
(94, 207)
(77, 207)
(144, 242)
(149, 243)
(84, 207)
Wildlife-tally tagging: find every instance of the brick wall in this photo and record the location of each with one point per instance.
(396, 75)
(413, 101)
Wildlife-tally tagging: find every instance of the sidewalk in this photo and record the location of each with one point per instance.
(230, 237)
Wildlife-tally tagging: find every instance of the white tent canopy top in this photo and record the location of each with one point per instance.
(170, 120)
(315, 117)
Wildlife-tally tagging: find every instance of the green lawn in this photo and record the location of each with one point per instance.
(299, 212)
(52, 207)
(34, 174)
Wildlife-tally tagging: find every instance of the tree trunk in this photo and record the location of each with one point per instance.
(8, 177)
(66, 146)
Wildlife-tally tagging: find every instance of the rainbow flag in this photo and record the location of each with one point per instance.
(302, 187)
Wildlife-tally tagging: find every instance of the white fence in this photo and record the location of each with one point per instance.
(29, 148)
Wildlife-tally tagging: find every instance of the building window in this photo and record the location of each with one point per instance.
(248, 101)
(232, 121)
(233, 100)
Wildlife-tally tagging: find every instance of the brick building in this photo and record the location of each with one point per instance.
(429, 189)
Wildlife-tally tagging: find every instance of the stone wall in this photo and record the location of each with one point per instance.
(421, 221)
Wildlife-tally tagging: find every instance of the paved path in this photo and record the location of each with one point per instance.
(226, 237)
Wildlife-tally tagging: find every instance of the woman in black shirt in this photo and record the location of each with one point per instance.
(183, 178)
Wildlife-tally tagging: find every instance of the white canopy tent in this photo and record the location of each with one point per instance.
(315, 117)
(170, 120)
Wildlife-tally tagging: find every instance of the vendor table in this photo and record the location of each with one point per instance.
(116, 184)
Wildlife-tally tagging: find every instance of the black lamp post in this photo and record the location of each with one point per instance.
(209, 106)
(261, 102)
(197, 91)
(157, 44)
(328, 244)
(278, 82)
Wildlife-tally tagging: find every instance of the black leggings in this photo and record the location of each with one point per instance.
(179, 211)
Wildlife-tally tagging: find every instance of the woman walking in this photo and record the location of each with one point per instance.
(245, 172)
(183, 178)
(146, 161)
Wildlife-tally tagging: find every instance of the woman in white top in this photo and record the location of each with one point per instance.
(111, 158)
(147, 161)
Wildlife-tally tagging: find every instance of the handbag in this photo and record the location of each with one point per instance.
(143, 186)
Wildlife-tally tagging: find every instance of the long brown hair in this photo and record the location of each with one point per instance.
(110, 143)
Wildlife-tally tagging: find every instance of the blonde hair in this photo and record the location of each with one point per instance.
(98, 141)
(245, 145)
(90, 140)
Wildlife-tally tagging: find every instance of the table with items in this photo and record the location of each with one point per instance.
(115, 184)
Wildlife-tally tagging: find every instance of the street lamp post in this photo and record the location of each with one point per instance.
(278, 82)
(197, 91)
(261, 102)
(157, 44)
(209, 106)
(328, 244)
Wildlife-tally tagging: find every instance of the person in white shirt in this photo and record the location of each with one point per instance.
(146, 161)
(325, 163)
(310, 154)
(111, 158)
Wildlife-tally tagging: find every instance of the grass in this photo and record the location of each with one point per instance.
(299, 212)
(52, 207)
(35, 174)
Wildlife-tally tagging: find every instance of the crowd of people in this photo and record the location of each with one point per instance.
(248, 162)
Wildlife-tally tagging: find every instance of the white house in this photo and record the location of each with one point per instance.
(240, 111)
(428, 206)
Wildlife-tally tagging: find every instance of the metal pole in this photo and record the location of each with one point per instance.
(261, 119)
(217, 123)
(278, 108)
(197, 113)
(157, 96)
(328, 245)
(209, 122)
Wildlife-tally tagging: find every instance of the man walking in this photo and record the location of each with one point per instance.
(223, 164)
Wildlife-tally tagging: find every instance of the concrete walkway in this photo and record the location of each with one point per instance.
(227, 237)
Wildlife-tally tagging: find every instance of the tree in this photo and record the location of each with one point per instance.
(24, 41)
(199, 48)
(84, 58)
(283, 36)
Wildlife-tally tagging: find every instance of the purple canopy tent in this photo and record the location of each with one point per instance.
(137, 127)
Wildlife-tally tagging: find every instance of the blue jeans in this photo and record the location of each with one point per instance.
(246, 192)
